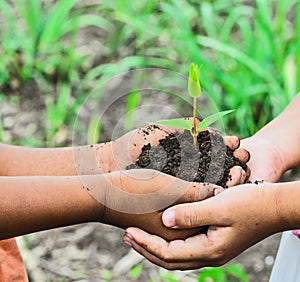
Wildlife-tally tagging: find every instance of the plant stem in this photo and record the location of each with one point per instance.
(195, 125)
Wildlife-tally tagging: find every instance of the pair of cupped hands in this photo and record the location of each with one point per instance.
(177, 224)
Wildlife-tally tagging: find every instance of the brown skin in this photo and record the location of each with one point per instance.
(175, 191)
(229, 233)
(37, 203)
(240, 216)
(41, 188)
(90, 159)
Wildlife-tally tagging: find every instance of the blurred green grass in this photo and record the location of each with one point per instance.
(250, 50)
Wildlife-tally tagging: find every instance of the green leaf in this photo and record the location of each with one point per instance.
(168, 277)
(56, 20)
(132, 103)
(135, 272)
(107, 275)
(176, 123)
(31, 13)
(237, 272)
(215, 274)
(194, 84)
(89, 20)
(94, 128)
(211, 119)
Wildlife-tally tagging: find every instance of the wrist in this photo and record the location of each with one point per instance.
(95, 190)
(264, 152)
(288, 209)
(104, 156)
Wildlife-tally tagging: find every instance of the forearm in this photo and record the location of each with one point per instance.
(30, 204)
(23, 161)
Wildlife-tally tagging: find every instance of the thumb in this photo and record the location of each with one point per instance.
(190, 215)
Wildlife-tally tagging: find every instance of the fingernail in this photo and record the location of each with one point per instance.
(243, 177)
(127, 240)
(217, 191)
(127, 234)
(169, 218)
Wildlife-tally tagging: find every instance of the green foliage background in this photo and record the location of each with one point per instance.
(250, 50)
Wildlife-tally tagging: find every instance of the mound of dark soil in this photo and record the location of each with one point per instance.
(176, 155)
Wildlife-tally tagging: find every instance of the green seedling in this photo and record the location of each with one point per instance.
(194, 89)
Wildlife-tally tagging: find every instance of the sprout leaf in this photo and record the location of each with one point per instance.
(194, 83)
(211, 119)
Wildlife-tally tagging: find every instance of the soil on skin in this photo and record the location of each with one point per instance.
(176, 155)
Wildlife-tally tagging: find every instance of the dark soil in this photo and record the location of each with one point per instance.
(176, 155)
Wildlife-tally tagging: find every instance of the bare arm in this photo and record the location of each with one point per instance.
(89, 159)
(137, 198)
(30, 204)
(80, 160)
(23, 161)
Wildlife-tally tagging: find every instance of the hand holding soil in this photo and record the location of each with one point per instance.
(240, 216)
(138, 198)
(214, 160)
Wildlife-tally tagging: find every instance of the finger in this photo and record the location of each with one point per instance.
(192, 215)
(236, 176)
(199, 192)
(242, 154)
(186, 265)
(232, 142)
(169, 255)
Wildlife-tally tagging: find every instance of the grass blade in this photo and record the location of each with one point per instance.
(54, 27)
(31, 13)
(241, 57)
(132, 103)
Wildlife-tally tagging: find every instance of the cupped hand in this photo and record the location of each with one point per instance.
(266, 161)
(236, 218)
(138, 198)
(126, 149)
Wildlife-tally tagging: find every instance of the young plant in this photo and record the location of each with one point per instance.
(194, 89)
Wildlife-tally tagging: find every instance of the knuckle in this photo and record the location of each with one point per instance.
(204, 192)
(219, 258)
(190, 217)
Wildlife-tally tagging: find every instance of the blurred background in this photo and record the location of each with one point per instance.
(53, 54)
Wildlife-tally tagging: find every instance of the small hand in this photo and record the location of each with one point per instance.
(266, 162)
(138, 198)
(126, 149)
(235, 223)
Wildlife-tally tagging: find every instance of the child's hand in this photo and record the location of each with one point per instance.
(138, 198)
(236, 219)
(126, 149)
